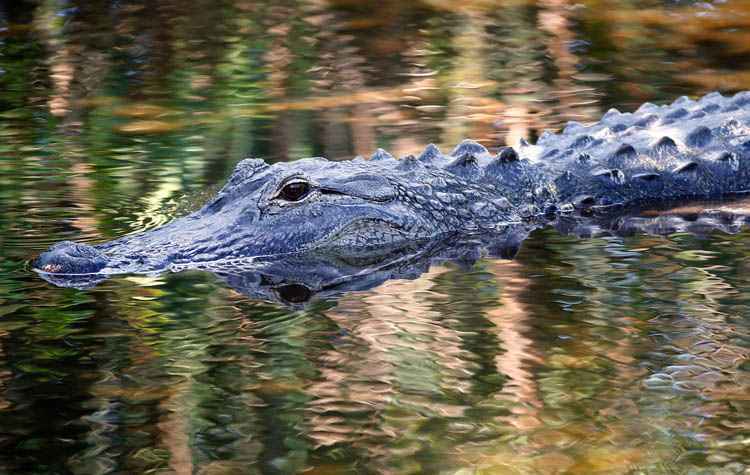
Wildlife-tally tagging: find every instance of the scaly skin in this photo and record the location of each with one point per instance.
(684, 151)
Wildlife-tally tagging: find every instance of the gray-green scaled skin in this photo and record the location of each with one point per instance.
(685, 151)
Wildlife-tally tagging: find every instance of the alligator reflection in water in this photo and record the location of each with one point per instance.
(297, 279)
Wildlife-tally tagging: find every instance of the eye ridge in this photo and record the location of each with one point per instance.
(295, 190)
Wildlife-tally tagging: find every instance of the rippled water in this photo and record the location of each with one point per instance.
(605, 355)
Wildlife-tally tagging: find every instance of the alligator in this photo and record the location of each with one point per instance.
(683, 152)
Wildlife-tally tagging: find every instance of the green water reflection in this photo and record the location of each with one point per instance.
(581, 356)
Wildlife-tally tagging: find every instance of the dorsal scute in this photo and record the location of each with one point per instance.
(507, 155)
(665, 146)
(582, 141)
(507, 167)
(547, 135)
(465, 166)
(409, 162)
(573, 127)
(647, 120)
(711, 97)
(672, 116)
(682, 101)
(699, 137)
(611, 114)
(741, 99)
(381, 154)
(430, 154)
(646, 107)
(624, 151)
(469, 147)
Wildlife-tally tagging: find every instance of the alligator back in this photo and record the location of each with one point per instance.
(688, 149)
(685, 150)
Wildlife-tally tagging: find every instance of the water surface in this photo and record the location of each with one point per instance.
(603, 355)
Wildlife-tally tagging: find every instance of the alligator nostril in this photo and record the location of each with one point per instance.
(70, 258)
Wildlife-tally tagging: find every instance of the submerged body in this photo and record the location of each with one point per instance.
(684, 151)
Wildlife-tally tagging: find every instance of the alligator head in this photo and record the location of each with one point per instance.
(348, 208)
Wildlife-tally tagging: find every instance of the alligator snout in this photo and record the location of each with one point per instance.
(71, 258)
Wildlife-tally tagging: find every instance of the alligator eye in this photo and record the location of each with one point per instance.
(294, 191)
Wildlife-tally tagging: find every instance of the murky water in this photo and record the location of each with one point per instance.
(607, 355)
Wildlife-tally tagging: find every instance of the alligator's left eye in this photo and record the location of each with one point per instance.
(294, 191)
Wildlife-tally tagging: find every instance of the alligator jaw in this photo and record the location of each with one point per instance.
(146, 252)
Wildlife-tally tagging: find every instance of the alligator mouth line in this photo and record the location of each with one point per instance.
(319, 245)
(351, 237)
(335, 235)
(97, 273)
